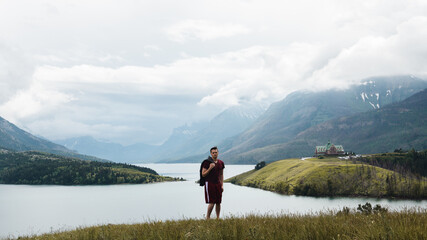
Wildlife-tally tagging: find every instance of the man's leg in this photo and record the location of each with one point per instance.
(210, 208)
(218, 210)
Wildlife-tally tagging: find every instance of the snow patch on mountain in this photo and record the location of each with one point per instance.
(367, 82)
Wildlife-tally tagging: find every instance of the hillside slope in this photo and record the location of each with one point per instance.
(299, 111)
(14, 138)
(44, 168)
(398, 125)
(332, 177)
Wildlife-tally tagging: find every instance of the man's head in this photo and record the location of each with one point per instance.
(214, 152)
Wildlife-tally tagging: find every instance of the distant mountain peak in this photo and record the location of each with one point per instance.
(16, 139)
(380, 91)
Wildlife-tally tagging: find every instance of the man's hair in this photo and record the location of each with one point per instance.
(213, 148)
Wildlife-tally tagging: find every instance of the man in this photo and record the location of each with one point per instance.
(212, 171)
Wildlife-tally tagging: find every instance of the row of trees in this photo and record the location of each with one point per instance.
(411, 162)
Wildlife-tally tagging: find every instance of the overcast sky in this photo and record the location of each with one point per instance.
(130, 71)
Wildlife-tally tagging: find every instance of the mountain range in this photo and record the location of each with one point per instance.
(360, 118)
(290, 128)
(186, 140)
(14, 138)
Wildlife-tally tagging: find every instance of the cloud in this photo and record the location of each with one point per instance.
(203, 30)
(134, 96)
(131, 71)
(153, 100)
(404, 52)
(15, 72)
(35, 101)
(264, 74)
(187, 90)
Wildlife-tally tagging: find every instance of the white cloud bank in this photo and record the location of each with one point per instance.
(404, 52)
(136, 76)
(204, 30)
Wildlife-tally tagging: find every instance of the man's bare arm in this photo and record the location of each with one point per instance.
(221, 178)
(205, 171)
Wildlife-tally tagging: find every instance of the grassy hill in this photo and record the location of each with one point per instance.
(33, 167)
(345, 224)
(333, 177)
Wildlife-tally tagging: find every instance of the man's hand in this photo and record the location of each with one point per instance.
(205, 171)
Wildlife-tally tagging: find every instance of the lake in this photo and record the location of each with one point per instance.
(26, 209)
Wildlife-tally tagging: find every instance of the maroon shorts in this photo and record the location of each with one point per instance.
(213, 192)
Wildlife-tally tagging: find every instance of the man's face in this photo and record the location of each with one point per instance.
(214, 153)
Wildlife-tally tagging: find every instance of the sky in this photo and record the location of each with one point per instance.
(130, 71)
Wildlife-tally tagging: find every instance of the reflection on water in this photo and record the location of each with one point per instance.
(38, 209)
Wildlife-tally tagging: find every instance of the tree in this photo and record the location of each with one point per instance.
(260, 165)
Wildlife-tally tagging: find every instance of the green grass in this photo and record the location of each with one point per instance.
(332, 177)
(408, 224)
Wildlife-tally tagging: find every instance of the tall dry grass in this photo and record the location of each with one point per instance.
(407, 224)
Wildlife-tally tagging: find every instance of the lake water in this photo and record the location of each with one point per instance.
(26, 210)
